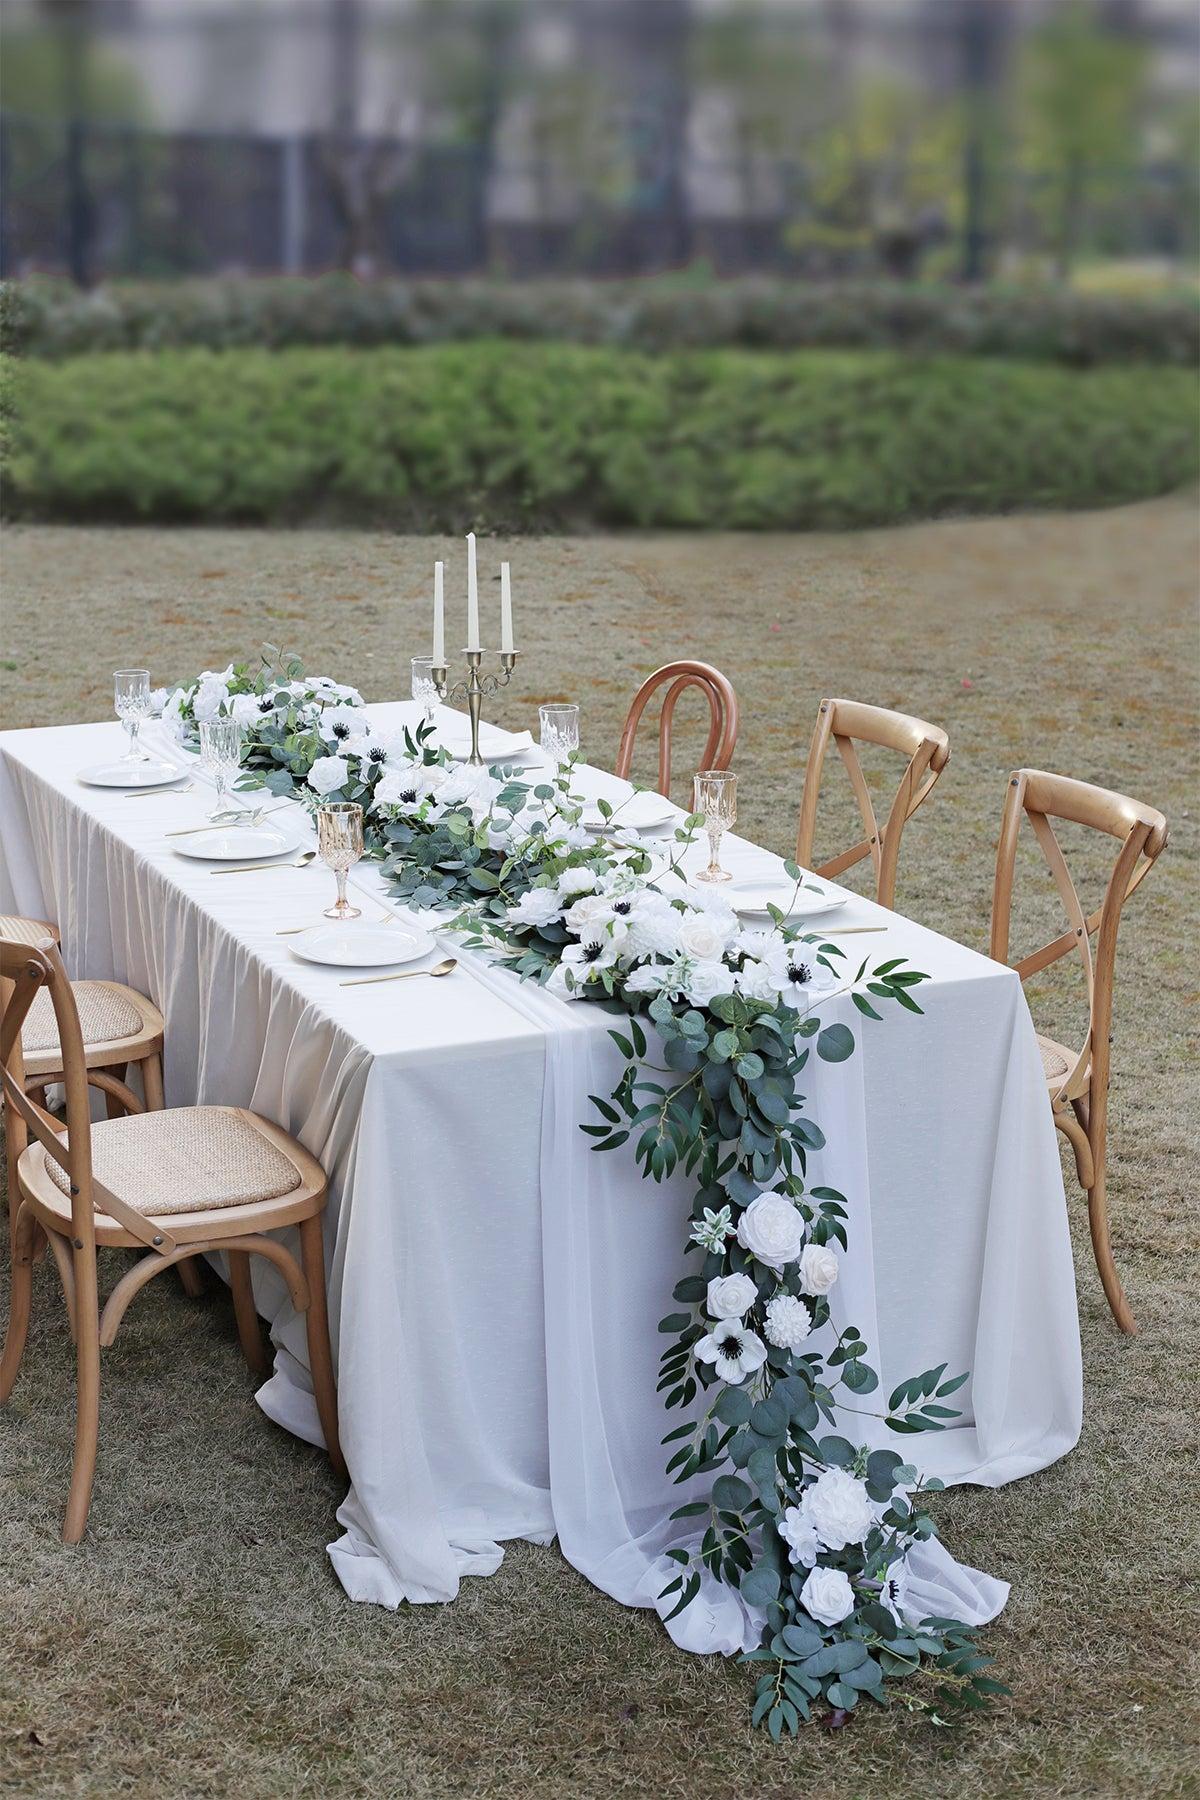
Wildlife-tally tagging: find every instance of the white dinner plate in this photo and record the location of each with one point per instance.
(751, 897)
(641, 812)
(355, 946)
(239, 843)
(131, 775)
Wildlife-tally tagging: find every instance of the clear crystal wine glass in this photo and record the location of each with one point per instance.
(559, 731)
(716, 798)
(221, 755)
(131, 696)
(340, 843)
(423, 688)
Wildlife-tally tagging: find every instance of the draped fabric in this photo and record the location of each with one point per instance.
(494, 1286)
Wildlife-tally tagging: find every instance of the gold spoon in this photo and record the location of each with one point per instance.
(301, 862)
(442, 968)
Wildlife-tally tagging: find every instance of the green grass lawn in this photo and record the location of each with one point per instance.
(197, 1642)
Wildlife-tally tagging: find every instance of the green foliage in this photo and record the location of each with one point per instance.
(52, 319)
(557, 436)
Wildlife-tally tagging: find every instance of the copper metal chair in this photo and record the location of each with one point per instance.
(1077, 1080)
(928, 750)
(677, 677)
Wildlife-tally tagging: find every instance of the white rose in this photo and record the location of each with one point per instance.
(537, 907)
(577, 881)
(211, 695)
(772, 1230)
(827, 1596)
(701, 938)
(247, 708)
(799, 1537)
(838, 1508)
(645, 979)
(329, 773)
(788, 1322)
(730, 1296)
(818, 1269)
(587, 910)
(703, 981)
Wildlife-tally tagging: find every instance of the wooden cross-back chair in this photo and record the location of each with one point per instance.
(122, 1030)
(1077, 1080)
(174, 1183)
(677, 677)
(928, 750)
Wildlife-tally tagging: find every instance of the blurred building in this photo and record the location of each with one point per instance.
(606, 136)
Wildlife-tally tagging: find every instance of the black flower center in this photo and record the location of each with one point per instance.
(799, 971)
(377, 754)
(409, 796)
(622, 906)
(732, 1347)
(341, 729)
(593, 952)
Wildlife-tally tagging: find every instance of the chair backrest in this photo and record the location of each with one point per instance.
(928, 751)
(24, 969)
(676, 677)
(1142, 833)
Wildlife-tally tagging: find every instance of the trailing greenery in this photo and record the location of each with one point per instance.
(1047, 324)
(815, 1532)
(544, 437)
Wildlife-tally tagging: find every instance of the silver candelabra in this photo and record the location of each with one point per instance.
(473, 688)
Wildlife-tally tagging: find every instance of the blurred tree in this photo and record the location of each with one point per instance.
(1080, 96)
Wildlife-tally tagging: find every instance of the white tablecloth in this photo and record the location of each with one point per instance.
(494, 1287)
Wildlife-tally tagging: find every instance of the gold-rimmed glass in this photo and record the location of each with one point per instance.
(340, 844)
(716, 800)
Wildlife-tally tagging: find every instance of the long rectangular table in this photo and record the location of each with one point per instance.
(494, 1288)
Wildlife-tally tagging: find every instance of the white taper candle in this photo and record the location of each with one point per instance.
(439, 615)
(506, 636)
(473, 642)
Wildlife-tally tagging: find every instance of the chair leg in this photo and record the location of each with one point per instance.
(87, 1396)
(249, 1329)
(20, 1300)
(1102, 1247)
(316, 1322)
(152, 1082)
(190, 1278)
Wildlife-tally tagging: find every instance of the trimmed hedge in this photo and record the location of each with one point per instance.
(547, 437)
(46, 318)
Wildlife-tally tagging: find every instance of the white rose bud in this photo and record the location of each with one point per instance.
(730, 1296)
(700, 938)
(818, 1269)
(827, 1596)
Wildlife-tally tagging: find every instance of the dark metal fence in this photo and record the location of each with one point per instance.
(108, 202)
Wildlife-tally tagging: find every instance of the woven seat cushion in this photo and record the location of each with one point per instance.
(24, 931)
(1054, 1064)
(186, 1159)
(105, 1017)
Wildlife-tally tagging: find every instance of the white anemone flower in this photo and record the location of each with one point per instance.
(733, 1350)
(340, 724)
(598, 948)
